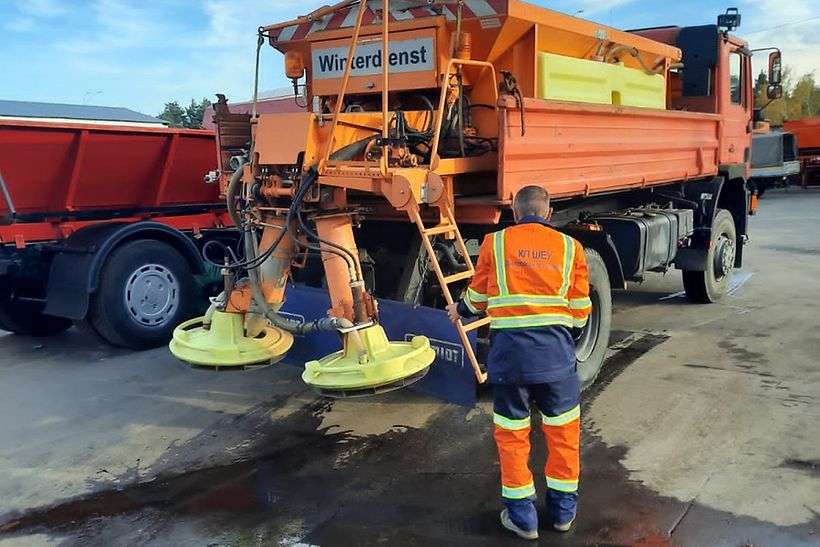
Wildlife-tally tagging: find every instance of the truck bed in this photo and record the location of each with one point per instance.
(81, 173)
(576, 149)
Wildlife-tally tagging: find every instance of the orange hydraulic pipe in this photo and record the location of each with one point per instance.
(275, 269)
(347, 298)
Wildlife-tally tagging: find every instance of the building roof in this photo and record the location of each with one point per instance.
(273, 102)
(25, 109)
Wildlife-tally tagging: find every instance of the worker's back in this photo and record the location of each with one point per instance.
(530, 271)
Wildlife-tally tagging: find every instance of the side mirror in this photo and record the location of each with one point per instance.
(774, 91)
(775, 72)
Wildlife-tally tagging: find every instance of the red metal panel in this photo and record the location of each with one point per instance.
(22, 233)
(53, 168)
(807, 131)
(577, 149)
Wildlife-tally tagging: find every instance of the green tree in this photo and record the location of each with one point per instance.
(189, 117)
(194, 113)
(803, 98)
(173, 114)
(761, 84)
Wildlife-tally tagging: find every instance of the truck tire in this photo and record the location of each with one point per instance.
(590, 348)
(710, 286)
(27, 318)
(146, 289)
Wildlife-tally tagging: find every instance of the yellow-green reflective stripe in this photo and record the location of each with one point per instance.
(580, 303)
(508, 423)
(500, 267)
(518, 492)
(569, 258)
(562, 485)
(530, 321)
(470, 305)
(579, 322)
(527, 300)
(562, 419)
(476, 296)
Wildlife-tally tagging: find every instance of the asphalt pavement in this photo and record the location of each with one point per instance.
(703, 429)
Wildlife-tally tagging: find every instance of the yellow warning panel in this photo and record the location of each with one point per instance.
(564, 78)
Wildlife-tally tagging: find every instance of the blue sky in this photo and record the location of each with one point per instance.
(142, 53)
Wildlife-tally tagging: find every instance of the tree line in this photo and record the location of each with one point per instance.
(801, 97)
(189, 117)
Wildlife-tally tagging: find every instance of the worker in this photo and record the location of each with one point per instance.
(533, 282)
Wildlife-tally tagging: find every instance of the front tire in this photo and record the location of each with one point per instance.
(710, 286)
(146, 289)
(590, 349)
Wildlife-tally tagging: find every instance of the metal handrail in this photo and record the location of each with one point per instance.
(434, 158)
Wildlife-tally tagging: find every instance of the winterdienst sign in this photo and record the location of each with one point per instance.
(410, 55)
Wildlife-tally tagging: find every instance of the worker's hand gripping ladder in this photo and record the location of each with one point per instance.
(448, 225)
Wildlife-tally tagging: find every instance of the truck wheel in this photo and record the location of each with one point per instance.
(146, 289)
(27, 318)
(590, 349)
(710, 286)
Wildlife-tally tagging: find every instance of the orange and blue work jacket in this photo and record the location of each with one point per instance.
(532, 281)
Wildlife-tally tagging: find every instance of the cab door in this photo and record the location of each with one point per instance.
(737, 105)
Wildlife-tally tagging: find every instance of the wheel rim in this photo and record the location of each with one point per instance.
(724, 258)
(589, 336)
(151, 295)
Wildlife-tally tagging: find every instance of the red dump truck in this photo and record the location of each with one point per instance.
(103, 225)
(807, 133)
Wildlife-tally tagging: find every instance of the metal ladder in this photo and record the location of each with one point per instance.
(448, 225)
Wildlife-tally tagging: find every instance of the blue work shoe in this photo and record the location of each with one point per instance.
(562, 507)
(507, 523)
(563, 526)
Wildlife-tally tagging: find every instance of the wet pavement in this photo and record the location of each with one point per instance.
(406, 470)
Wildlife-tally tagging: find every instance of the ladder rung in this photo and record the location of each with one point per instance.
(442, 229)
(457, 277)
(476, 324)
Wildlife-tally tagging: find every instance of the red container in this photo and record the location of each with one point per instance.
(79, 173)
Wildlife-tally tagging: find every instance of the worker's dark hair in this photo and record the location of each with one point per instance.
(532, 201)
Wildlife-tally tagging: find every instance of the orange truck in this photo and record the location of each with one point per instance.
(807, 133)
(422, 120)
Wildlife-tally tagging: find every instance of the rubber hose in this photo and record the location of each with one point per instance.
(233, 186)
(324, 324)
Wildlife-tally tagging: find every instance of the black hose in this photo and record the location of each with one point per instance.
(231, 197)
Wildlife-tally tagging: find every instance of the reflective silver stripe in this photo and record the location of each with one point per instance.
(525, 300)
(540, 320)
(564, 418)
(569, 259)
(508, 423)
(518, 492)
(500, 267)
(562, 485)
(578, 323)
(470, 306)
(580, 303)
(476, 296)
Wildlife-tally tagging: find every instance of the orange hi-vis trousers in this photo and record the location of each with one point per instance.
(558, 403)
